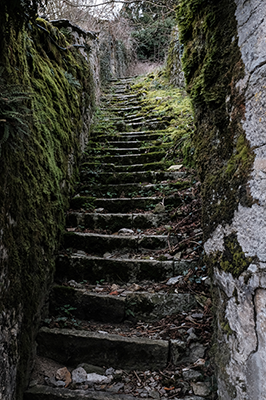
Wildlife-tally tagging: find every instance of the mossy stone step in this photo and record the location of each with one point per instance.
(119, 205)
(142, 305)
(72, 347)
(123, 144)
(114, 222)
(151, 124)
(122, 104)
(125, 110)
(139, 148)
(117, 97)
(130, 189)
(109, 167)
(123, 205)
(129, 177)
(121, 151)
(99, 244)
(128, 159)
(41, 392)
(81, 267)
(87, 305)
(143, 136)
(129, 120)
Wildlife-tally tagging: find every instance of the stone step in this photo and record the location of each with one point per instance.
(86, 305)
(137, 147)
(123, 144)
(122, 104)
(121, 90)
(124, 205)
(82, 267)
(111, 167)
(117, 98)
(122, 80)
(115, 222)
(148, 123)
(142, 136)
(129, 177)
(99, 244)
(126, 159)
(130, 189)
(125, 110)
(120, 205)
(120, 150)
(72, 347)
(106, 308)
(42, 392)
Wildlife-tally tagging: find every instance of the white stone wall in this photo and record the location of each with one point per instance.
(245, 307)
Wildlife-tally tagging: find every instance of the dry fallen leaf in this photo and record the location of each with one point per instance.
(64, 375)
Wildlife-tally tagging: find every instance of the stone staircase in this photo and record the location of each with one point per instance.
(122, 321)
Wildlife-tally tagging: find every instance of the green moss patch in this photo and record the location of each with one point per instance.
(164, 101)
(212, 65)
(36, 177)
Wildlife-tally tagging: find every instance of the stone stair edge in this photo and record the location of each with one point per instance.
(42, 392)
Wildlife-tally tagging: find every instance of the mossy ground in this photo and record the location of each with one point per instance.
(163, 100)
(35, 178)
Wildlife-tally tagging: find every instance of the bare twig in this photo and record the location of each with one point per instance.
(138, 378)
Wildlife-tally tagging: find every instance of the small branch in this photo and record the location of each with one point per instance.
(138, 378)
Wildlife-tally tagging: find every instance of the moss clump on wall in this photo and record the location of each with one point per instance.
(213, 66)
(35, 176)
(234, 259)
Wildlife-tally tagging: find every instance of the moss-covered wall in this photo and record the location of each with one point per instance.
(212, 66)
(115, 58)
(225, 71)
(37, 172)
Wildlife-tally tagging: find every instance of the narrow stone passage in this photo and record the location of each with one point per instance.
(129, 314)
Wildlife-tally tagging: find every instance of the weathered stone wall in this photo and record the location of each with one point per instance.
(173, 60)
(225, 69)
(115, 58)
(37, 174)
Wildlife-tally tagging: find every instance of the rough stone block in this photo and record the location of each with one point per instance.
(75, 347)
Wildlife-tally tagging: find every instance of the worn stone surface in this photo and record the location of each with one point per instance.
(234, 209)
(95, 268)
(48, 393)
(174, 66)
(201, 388)
(157, 306)
(87, 305)
(69, 346)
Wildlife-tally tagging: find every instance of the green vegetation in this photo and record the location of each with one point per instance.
(152, 26)
(14, 113)
(166, 102)
(212, 66)
(36, 176)
(233, 258)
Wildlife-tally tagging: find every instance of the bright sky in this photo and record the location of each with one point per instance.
(118, 5)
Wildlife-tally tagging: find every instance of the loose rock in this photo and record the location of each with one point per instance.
(201, 388)
(96, 378)
(79, 375)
